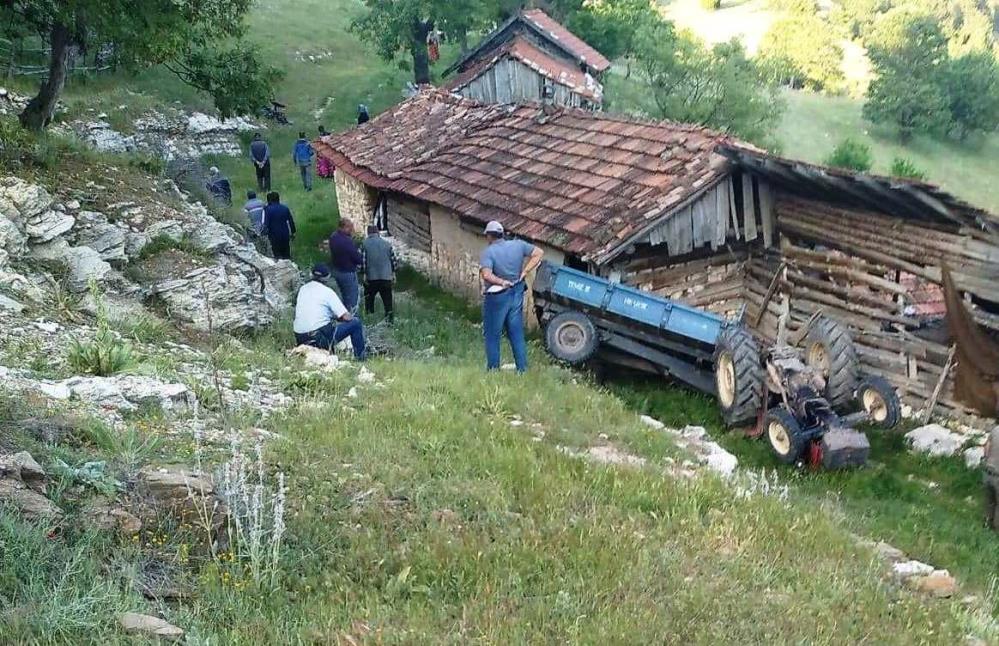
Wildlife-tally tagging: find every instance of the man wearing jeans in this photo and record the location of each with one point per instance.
(321, 320)
(503, 266)
(302, 156)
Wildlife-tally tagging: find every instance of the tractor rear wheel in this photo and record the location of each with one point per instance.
(830, 351)
(879, 400)
(784, 435)
(571, 338)
(738, 376)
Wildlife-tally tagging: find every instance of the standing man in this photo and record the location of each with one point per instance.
(503, 266)
(362, 115)
(346, 260)
(378, 265)
(278, 226)
(321, 320)
(254, 209)
(260, 155)
(302, 156)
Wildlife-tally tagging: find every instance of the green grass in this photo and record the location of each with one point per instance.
(930, 508)
(814, 124)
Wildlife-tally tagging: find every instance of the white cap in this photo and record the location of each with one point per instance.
(213, 169)
(494, 227)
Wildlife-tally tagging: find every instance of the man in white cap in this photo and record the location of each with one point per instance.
(503, 266)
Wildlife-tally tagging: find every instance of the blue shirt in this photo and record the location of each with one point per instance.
(302, 153)
(344, 255)
(255, 211)
(506, 258)
(278, 223)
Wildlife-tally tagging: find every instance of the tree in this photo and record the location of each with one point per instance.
(395, 26)
(971, 84)
(720, 87)
(851, 155)
(904, 168)
(909, 53)
(144, 32)
(802, 51)
(609, 25)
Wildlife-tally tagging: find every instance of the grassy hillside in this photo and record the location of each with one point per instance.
(814, 124)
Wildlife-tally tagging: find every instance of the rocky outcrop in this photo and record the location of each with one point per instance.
(935, 440)
(150, 626)
(696, 440)
(184, 493)
(170, 134)
(22, 486)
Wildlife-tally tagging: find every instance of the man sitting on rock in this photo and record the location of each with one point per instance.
(218, 185)
(321, 320)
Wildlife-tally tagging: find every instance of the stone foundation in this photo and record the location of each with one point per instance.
(356, 200)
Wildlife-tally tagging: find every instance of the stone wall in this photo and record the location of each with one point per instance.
(356, 200)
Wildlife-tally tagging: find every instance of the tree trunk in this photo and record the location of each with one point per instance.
(418, 48)
(38, 113)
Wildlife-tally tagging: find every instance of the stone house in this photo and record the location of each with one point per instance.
(531, 57)
(682, 211)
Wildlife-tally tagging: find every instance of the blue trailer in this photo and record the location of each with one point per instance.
(794, 395)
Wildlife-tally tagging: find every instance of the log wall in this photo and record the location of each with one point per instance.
(409, 221)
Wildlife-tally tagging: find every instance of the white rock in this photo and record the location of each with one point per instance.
(10, 305)
(172, 229)
(48, 226)
(508, 366)
(352, 393)
(93, 230)
(722, 462)
(973, 457)
(934, 440)
(906, 569)
(316, 358)
(84, 265)
(48, 326)
(135, 623)
(365, 376)
(126, 393)
(652, 422)
(53, 391)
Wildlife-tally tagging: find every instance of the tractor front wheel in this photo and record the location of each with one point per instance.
(879, 400)
(829, 350)
(571, 338)
(738, 376)
(784, 435)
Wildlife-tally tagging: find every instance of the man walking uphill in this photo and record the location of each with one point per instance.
(378, 265)
(503, 266)
(321, 320)
(279, 226)
(302, 156)
(346, 260)
(260, 155)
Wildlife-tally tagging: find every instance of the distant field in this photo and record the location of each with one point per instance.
(814, 124)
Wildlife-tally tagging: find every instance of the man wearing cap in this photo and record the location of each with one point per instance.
(321, 320)
(503, 266)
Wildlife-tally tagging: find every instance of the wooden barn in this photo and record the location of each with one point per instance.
(531, 57)
(684, 212)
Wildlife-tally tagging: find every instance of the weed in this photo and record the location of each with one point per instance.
(105, 354)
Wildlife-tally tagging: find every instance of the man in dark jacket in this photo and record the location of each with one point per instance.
(362, 115)
(260, 155)
(279, 226)
(378, 265)
(346, 259)
(302, 156)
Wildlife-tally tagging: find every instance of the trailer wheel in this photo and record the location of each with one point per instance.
(784, 435)
(571, 338)
(879, 400)
(738, 376)
(830, 350)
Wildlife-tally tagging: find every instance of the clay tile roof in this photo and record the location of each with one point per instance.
(377, 151)
(568, 40)
(521, 49)
(582, 182)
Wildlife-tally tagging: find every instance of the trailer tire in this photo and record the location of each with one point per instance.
(830, 350)
(738, 376)
(571, 338)
(877, 397)
(784, 435)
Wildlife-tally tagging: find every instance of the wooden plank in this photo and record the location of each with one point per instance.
(721, 215)
(766, 212)
(748, 207)
(697, 224)
(731, 208)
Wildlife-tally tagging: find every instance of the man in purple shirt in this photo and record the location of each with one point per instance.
(346, 259)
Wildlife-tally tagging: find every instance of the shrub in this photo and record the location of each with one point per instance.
(105, 354)
(851, 155)
(902, 167)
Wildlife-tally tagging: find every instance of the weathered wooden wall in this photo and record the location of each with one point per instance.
(409, 221)
(510, 81)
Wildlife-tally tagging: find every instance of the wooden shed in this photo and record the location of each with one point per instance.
(682, 211)
(531, 57)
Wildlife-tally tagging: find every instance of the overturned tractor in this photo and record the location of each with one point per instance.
(805, 395)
